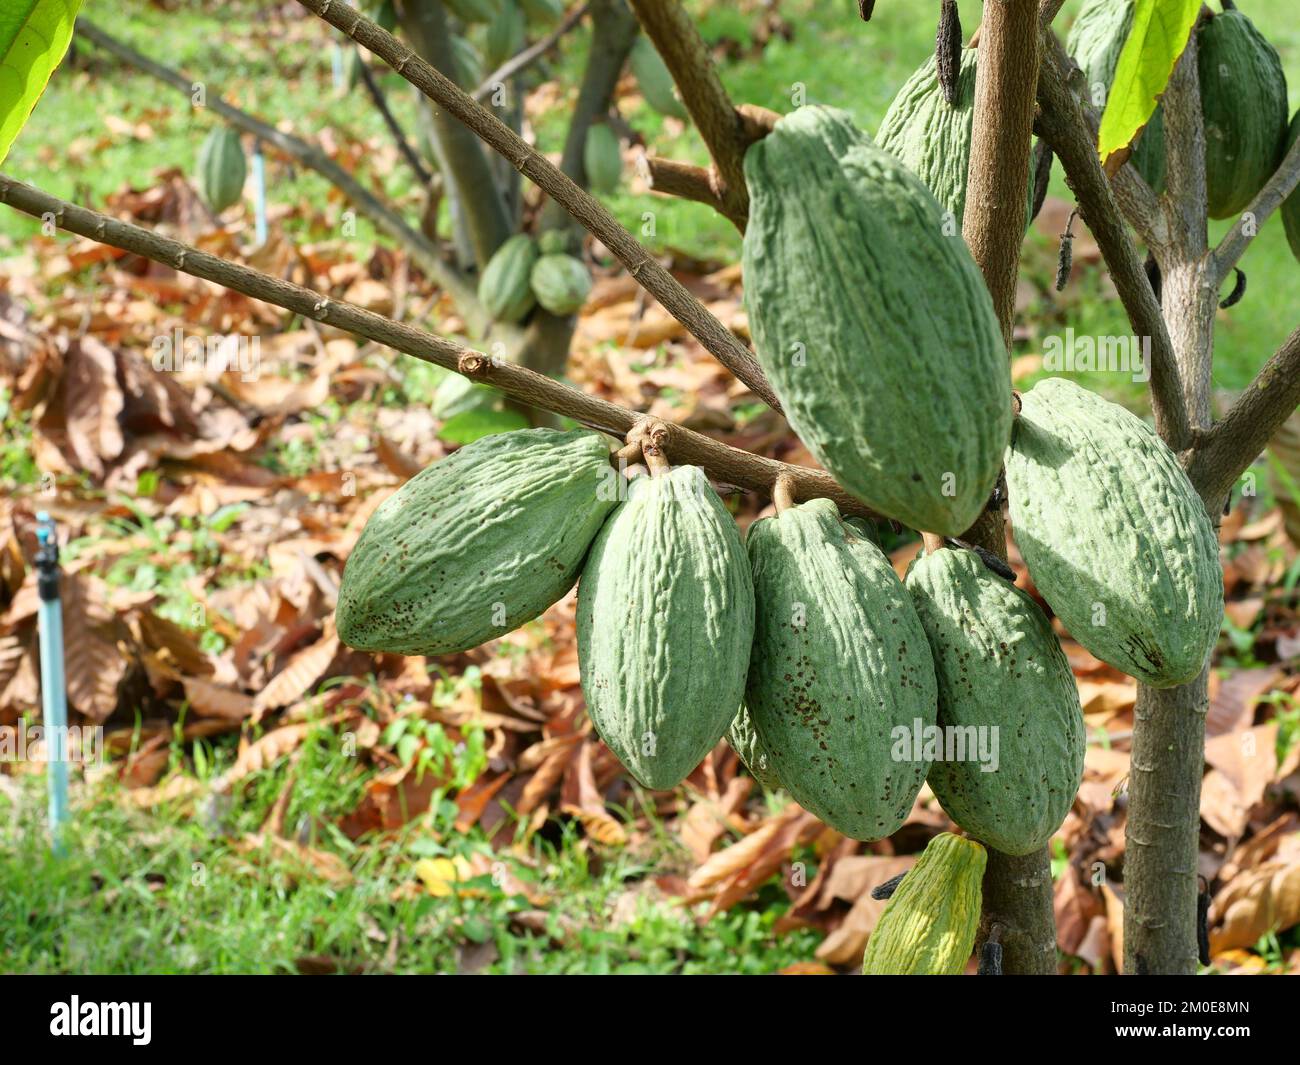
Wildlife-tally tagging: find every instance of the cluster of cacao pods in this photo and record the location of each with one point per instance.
(800, 645)
(527, 271)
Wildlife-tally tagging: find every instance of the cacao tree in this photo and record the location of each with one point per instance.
(882, 324)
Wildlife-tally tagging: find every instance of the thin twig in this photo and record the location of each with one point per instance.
(716, 338)
(519, 63)
(1234, 243)
(380, 101)
(684, 52)
(723, 463)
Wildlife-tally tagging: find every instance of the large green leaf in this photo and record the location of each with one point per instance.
(34, 34)
(1160, 32)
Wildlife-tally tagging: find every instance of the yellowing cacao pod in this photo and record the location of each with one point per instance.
(929, 925)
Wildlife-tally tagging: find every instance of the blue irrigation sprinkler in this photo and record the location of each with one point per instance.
(54, 696)
(259, 192)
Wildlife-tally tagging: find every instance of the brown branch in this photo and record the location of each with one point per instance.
(677, 39)
(1062, 123)
(424, 251)
(1017, 890)
(1236, 441)
(1284, 180)
(687, 181)
(1005, 80)
(530, 55)
(723, 463)
(711, 333)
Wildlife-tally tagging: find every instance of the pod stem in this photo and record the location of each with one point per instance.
(650, 435)
(783, 493)
(932, 542)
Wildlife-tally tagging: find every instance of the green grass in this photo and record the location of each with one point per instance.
(169, 889)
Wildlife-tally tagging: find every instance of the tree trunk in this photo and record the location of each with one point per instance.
(466, 170)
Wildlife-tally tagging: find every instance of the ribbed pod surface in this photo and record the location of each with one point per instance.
(476, 544)
(840, 660)
(665, 624)
(1115, 537)
(873, 325)
(1000, 670)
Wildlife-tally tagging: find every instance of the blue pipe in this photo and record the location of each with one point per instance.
(54, 696)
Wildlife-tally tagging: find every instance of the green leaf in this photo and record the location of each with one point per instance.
(34, 35)
(1161, 29)
(467, 427)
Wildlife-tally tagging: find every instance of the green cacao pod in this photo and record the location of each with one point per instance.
(553, 242)
(928, 926)
(655, 80)
(506, 34)
(1095, 41)
(222, 168)
(1115, 537)
(1006, 695)
(542, 12)
(602, 158)
(561, 283)
(1243, 100)
(742, 738)
(476, 544)
(933, 137)
(840, 664)
(874, 327)
(1291, 205)
(665, 624)
(459, 395)
(505, 289)
(473, 10)
(469, 64)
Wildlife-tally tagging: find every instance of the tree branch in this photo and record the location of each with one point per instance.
(1236, 441)
(723, 463)
(422, 250)
(1017, 890)
(530, 55)
(1062, 123)
(1005, 80)
(677, 39)
(711, 333)
(689, 182)
(1285, 179)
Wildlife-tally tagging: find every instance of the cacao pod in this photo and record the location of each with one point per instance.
(928, 926)
(1291, 205)
(506, 34)
(875, 329)
(505, 289)
(1243, 100)
(840, 664)
(457, 395)
(476, 544)
(1095, 41)
(742, 738)
(665, 624)
(602, 158)
(655, 80)
(561, 283)
(222, 168)
(933, 137)
(553, 242)
(1114, 535)
(1006, 695)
